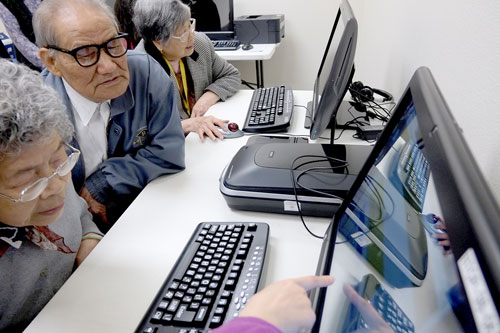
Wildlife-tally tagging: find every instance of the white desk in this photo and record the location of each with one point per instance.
(259, 52)
(112, 289)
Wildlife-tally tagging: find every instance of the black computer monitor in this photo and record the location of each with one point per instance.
(334, 74)
(382, 247)
(259, 176)
(213, 17)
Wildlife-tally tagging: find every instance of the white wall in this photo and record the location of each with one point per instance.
(458, 40)
(307, 27)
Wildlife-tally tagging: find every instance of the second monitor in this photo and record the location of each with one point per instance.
(335, 73)
(213, 17)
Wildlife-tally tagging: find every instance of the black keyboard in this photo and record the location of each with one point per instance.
(270, 110)
(217, 272)
(226, 45)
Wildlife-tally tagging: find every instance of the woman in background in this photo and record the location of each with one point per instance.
(203, 78)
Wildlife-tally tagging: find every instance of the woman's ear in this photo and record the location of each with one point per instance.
(158, 45)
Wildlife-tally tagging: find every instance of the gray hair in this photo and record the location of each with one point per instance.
(48, 12)
(157, 20)
(30, 111)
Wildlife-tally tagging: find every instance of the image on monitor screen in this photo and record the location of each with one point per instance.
(335, 73)
(213, 17)
(393, 272)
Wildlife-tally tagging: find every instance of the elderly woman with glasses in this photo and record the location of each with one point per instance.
(45, 227)
(202, 77)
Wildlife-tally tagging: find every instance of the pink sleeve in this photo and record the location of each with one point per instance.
(247, 325)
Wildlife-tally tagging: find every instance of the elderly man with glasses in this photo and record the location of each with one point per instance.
(122, 104)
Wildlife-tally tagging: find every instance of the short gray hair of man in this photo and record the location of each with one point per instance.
(49, 11)
(30, 110)
(157, 20)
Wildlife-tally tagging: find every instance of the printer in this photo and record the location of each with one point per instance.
(260, 29)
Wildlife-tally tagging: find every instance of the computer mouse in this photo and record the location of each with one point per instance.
(246, 47)
(233, 131)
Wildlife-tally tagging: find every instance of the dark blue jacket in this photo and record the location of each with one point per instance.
(145, 137)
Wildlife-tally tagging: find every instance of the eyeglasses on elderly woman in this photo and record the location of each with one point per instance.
(34, 190)
(185, 36)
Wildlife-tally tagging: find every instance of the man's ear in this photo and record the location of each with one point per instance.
(49, 61)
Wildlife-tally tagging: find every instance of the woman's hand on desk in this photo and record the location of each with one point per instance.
(285, 304)
(205, 126)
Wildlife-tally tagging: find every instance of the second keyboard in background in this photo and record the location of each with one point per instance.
(226, 45)
(270, 110)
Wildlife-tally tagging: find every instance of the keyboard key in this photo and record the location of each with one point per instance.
(215, 322)
(167, 318)
(173, 305)
(157, 316)
(163, 305)
(230, 284)
(183, 316)
(201, 315)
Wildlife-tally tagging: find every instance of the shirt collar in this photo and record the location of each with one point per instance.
(84, 107)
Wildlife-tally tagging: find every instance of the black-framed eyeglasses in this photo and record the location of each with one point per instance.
(88, 55)
(34, 190)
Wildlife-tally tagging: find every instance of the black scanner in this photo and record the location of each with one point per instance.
(259, 177)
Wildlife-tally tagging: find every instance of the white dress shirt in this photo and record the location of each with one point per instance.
(91, 120)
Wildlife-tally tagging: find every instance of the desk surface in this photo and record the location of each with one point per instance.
(112, 289)
(258, 52)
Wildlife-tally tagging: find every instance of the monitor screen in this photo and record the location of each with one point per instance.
(335, 72)
(415, 245)
(213, 17)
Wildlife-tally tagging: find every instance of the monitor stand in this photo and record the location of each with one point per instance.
(308, 119)
(346, 113)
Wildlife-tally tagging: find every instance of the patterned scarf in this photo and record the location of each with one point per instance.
(42, 237)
